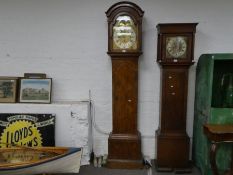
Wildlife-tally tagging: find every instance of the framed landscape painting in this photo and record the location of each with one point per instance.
(35, 90)
(8, 89)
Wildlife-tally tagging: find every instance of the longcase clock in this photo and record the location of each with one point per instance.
(124, 48)
(175, 55)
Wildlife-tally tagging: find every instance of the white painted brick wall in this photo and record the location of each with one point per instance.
(67, 40)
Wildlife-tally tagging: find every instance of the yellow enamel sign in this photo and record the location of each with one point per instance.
(22, 133)
(27, 130)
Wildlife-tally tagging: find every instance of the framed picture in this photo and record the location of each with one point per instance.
(8, 89)
(34, 75)
(35, 90)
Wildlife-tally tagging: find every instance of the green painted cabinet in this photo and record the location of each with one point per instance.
(213, 105)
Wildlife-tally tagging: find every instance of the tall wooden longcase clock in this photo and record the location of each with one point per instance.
(124, 48)
(175, 55)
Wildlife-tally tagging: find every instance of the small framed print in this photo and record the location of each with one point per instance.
(35, 90)
(8, 89)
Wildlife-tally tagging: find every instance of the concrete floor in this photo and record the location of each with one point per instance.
(91, 170)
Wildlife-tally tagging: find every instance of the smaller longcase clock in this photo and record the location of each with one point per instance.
(175, 55)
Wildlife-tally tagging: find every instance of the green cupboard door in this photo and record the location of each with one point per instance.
(209, 108)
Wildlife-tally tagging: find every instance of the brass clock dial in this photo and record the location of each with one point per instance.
(124, 34)
(176, 47)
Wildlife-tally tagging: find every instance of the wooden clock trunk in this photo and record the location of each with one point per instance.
(173, 142)
(125, 141)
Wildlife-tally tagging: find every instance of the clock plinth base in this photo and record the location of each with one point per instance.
(124, 151)
(124, 164)
(175, 170)
(172, 151)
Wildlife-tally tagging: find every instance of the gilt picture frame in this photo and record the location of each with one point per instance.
(8, 89)
(35, 90)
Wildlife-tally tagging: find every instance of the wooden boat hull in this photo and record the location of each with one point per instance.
(67, 160)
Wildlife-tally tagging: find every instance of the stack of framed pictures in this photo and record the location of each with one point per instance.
(32, 88)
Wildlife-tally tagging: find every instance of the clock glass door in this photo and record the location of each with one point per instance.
(124, 34)
(176, 47)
